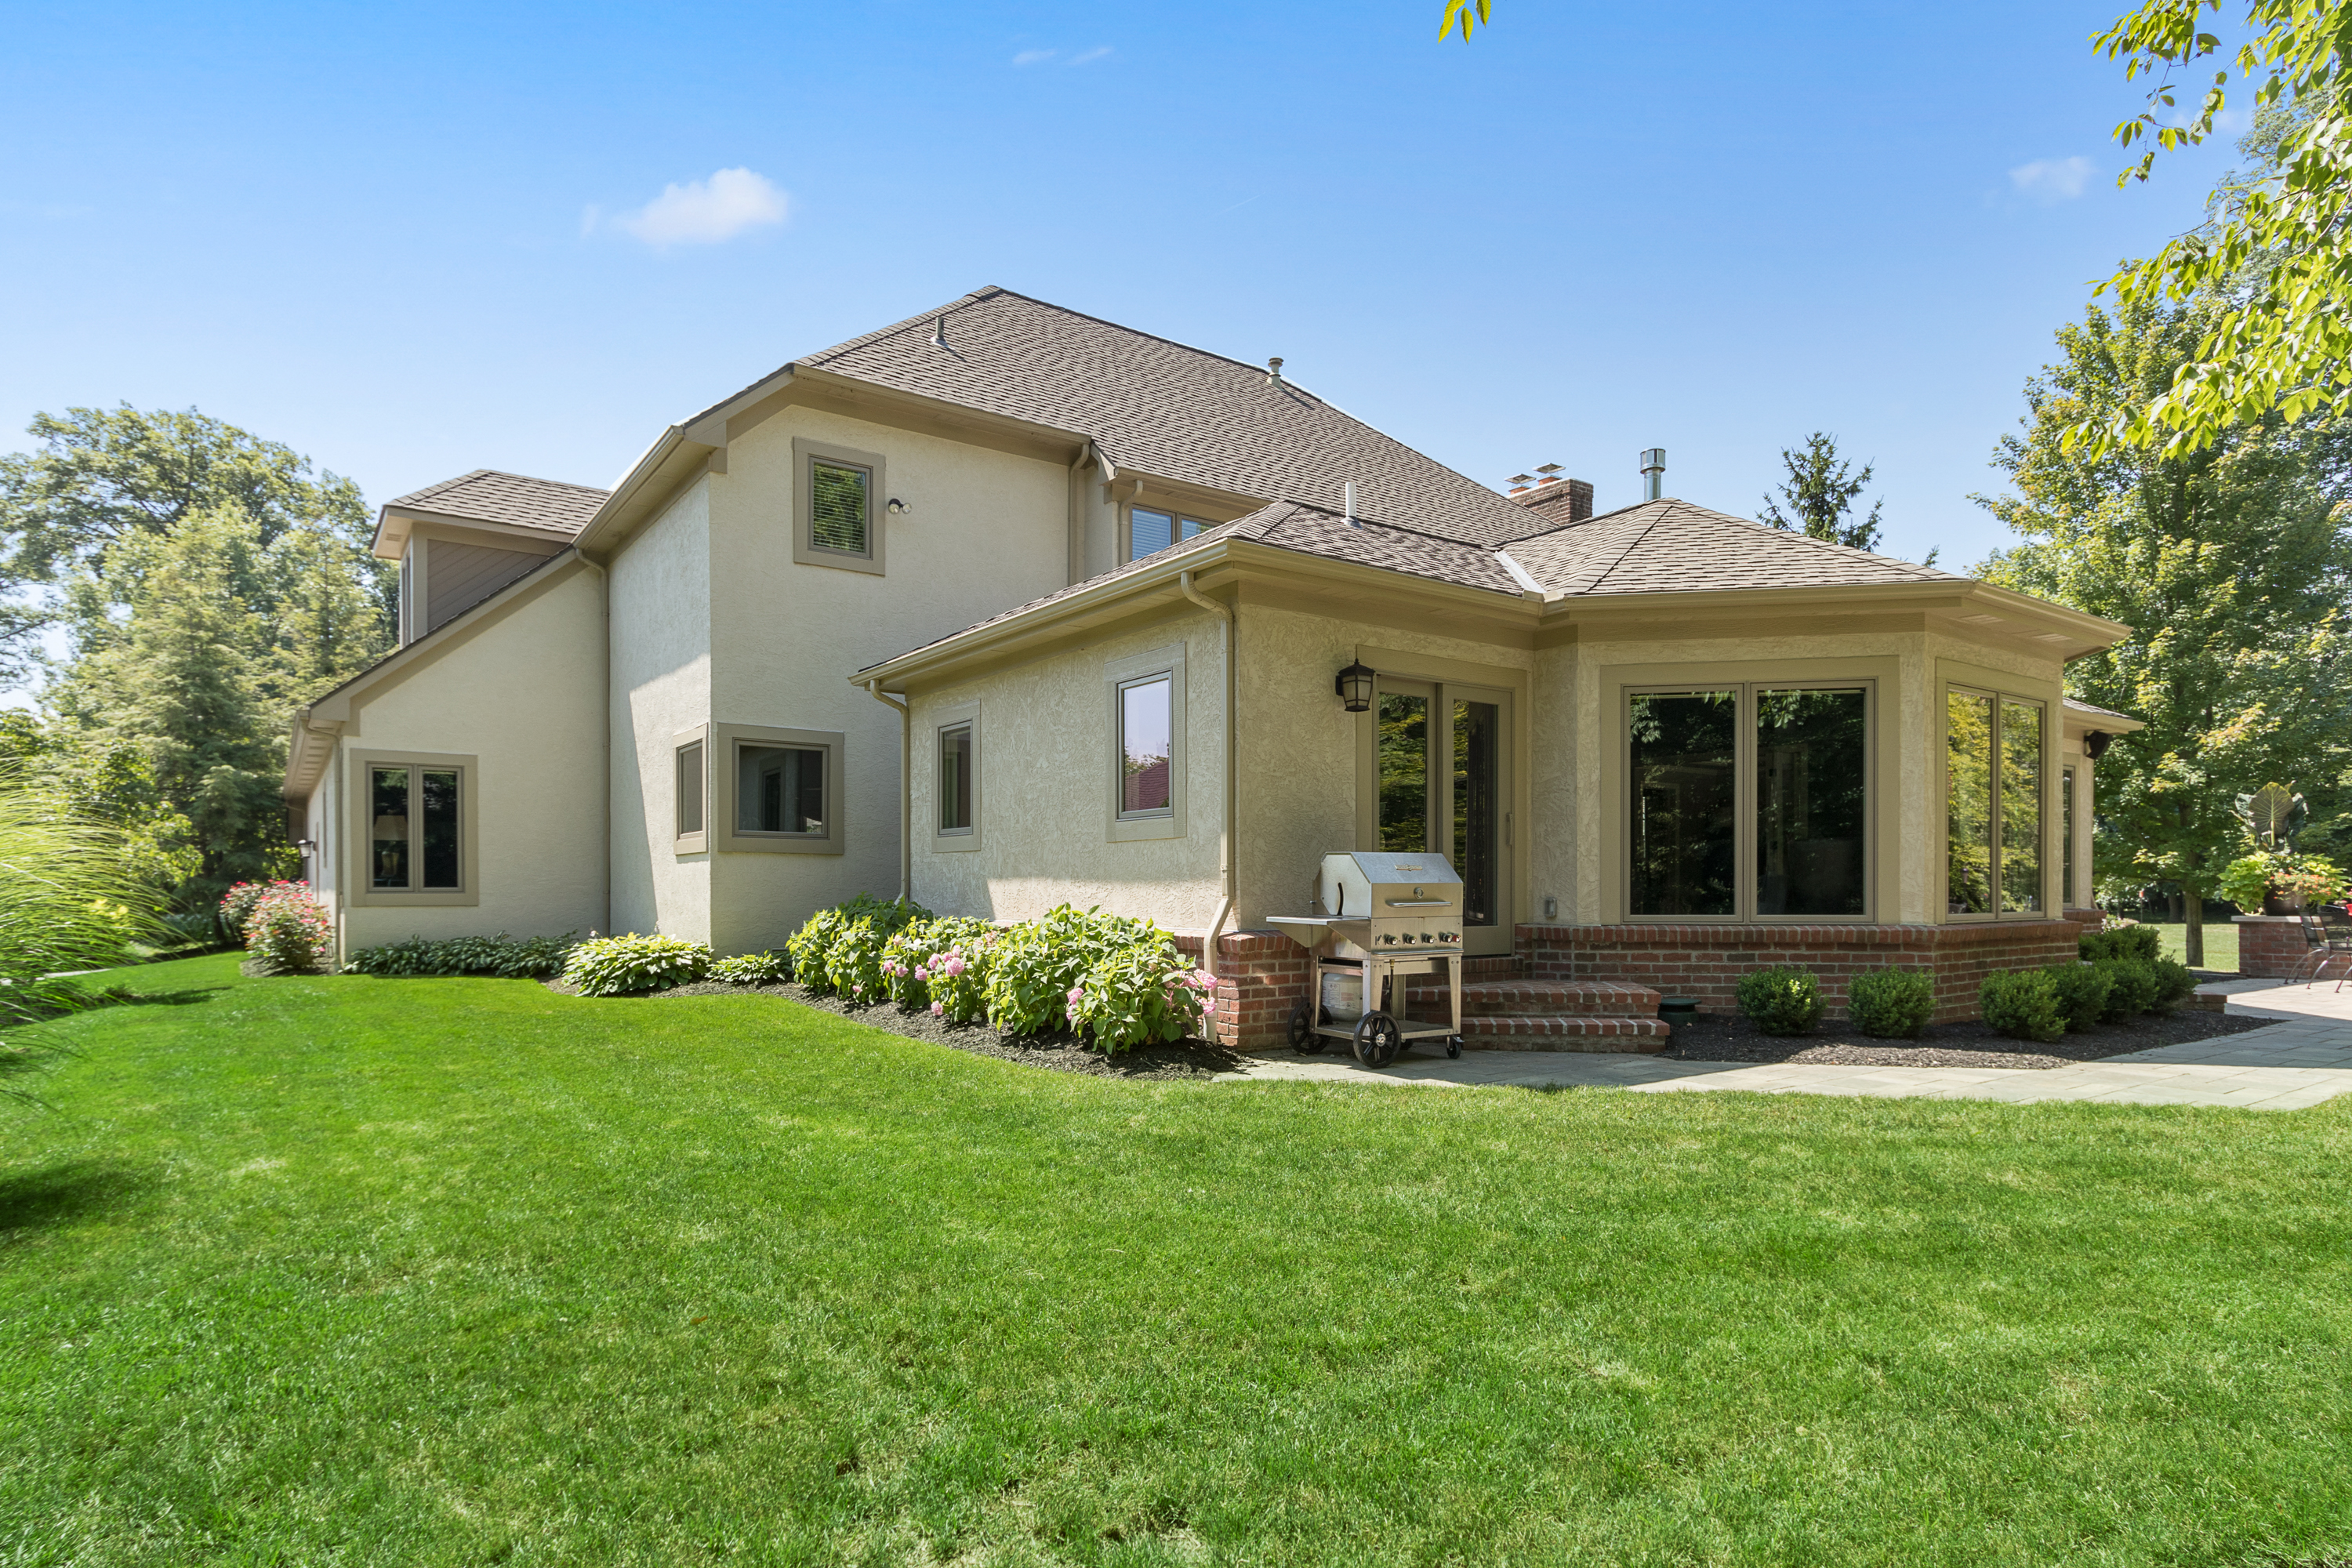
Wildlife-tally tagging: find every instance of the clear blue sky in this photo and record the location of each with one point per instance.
(413, 240)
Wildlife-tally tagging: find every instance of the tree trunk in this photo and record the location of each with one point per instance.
(2196, 932)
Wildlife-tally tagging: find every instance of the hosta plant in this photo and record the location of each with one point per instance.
(506, 957)
(754, 969)
(617, 965)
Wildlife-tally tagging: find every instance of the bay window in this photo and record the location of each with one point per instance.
(1749, 801)
(1992, 787)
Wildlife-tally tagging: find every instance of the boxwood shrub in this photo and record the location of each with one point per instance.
(2083, 990)
(2023, 1003)
(2124, 943)
(1892, 1004)
(1780, 1000)
(2133, 989)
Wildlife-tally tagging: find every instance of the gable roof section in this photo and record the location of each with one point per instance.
(1671, 546)
(489, 495)
(1165, 409)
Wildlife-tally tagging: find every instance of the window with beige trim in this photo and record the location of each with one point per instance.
(1150, 529)
(414, 816)
(776, 790)
(691, 790)
(1749, 801)
(838, 506)
(1147, 744)
(1993, 812)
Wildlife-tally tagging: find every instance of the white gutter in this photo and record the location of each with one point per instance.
(905, 785)
(1229, 630)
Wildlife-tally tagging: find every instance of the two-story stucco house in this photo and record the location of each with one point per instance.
(1008, 607)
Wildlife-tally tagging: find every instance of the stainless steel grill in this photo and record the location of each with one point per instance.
(1380, 918)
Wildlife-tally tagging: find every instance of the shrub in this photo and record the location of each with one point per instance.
(1141, 991)
(2175, 983)
(2133, 943)
(506, 957)
(917, 957)
(811, 947)
(1781, 1001)
(2134, 988)
(236, 905)
(1037, 973)
(616, 965)
(959, 975)
(853, 964)
(288, 932)
(2082, 992)
(191, 928)
(754, 969)
(1892, 1004)
(2023, 1003)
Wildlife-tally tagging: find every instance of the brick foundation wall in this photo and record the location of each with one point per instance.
(1261, 975)
(2270, 946)
(1706, 961)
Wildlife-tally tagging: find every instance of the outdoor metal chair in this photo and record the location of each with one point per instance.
(2336, 928)
(2315, 952)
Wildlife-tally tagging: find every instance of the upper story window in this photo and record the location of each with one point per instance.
(1749, 802)
(838, 499)
(1993, 791)
(1149, 530)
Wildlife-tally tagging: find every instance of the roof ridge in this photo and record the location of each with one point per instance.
(1596, 579)
(1830, 544)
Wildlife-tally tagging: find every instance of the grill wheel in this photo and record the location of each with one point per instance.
(1378, 1039)
(1303, 1038)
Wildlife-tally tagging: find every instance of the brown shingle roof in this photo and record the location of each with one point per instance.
(1671, 546)
(1165, 409)
(489, 496)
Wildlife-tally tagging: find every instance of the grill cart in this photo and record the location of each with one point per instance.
(1379, 919)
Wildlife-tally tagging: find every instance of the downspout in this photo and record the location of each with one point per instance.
(1078, 514)
(1228, 631)
(604, 597)
(905, 785)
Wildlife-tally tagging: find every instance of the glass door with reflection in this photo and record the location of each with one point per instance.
(1442, 772)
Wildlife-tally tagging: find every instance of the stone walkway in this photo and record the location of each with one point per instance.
(2306, 1059)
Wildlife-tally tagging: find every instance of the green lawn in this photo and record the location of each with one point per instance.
(344, 1271)
(2221, 944)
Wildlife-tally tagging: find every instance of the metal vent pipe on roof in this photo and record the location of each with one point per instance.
(1654, 472)
(1351, 505)
(939, 331)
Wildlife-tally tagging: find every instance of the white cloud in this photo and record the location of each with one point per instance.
(1035, 56)
(1101, 51)
(2050, 180)
(704, 212)
(1083, 58)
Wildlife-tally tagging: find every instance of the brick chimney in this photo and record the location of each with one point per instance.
(1560, 499)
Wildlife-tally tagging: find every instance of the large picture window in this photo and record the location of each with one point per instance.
(413, 841)
(780, 789)
(1992, 787)
(1749, 801)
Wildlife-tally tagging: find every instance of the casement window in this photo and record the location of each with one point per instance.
(955, 803)
(955, 779)
(692, 795)
(772, 790)
(1147, 751)
(1749, 801)
(1993, 793)
(415, 817)
(1150, 529)
(2068, 897)
(838, 499)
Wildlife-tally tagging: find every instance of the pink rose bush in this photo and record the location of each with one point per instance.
(286, 929)
(236, 905)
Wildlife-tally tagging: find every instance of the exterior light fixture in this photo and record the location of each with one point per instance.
(1354, 685)
(2095, 744)
(898, 508)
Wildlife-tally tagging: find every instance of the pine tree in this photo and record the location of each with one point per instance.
(1821, 490)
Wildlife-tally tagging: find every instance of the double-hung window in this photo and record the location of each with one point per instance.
(1749, 801)
(1993, 791)
(1150, 529)
(414, 816)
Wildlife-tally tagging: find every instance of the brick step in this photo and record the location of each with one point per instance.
(1493, 966)
(1537, 999)
(1585, 1032)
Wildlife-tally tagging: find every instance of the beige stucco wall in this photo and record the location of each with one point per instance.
(661, 685)
(984, 531)
(525, 696)
(1046, 770)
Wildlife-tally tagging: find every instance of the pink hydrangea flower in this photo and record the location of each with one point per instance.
(938, 1008)
(922, 972)
(1076, 997)
(955, 963)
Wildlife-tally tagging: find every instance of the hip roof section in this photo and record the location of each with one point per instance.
(518, 500)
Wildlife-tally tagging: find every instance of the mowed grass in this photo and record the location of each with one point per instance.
(2221, 944)
(343, 1271)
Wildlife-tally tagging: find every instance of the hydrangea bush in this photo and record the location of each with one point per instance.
(928, 951)
(1141, 993)
(812, 946)
(617, 965)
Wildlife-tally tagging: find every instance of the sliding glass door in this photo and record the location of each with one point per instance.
(1444, 770)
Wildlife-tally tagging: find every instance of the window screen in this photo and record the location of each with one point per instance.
(1146, 730)
(780, 789)
(1149, 530)
(955, 779)
(839, 498)
(690, 789)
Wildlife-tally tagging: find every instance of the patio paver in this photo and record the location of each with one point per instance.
(2305, 1060)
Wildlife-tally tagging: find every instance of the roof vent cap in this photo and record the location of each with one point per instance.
(1654, 472)
(939, 331)
(1274, 371)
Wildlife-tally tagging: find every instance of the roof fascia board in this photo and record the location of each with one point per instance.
(2075, 725)
(467, 531)
(649, 486)
(1181, 494)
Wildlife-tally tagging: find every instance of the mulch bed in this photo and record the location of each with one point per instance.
(1729, 1037)
(1056, 1052)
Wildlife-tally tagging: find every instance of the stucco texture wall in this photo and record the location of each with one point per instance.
(983, 531)
(661, 685)
(525, 696)
(1046, 772)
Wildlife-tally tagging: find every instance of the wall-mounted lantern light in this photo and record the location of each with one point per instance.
(1354, 686)
(2095, 744)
